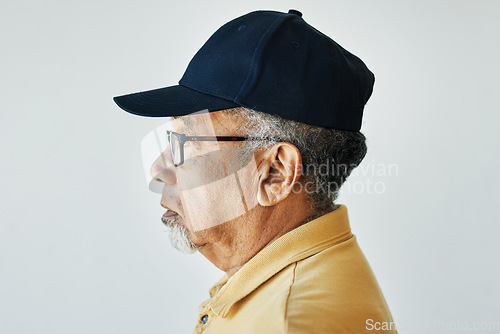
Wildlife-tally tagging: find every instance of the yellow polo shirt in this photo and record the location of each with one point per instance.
(314, 279)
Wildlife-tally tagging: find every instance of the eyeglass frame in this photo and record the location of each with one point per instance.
(183, 138)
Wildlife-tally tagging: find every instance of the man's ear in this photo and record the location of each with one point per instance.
(279, 171)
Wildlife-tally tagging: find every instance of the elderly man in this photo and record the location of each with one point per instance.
(250, 183)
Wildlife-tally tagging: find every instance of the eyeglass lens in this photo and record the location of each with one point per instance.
(175, 148)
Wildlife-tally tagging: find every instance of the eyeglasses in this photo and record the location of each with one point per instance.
(177, 141)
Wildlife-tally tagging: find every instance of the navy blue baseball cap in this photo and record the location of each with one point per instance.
(271, 62)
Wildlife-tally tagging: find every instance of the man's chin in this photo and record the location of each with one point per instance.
(179, 237)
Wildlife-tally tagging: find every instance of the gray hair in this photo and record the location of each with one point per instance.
(337, 151)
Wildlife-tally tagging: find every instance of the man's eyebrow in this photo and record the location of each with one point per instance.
(185, 120)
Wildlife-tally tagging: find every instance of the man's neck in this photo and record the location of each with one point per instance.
(249, 236)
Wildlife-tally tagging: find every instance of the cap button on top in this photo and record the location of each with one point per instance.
(296, 12)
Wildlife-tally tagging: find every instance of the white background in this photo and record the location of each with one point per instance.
(82, 248)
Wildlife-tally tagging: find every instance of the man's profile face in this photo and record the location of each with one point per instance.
(214, 187)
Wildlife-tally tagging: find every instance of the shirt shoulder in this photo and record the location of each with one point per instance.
(335, 291)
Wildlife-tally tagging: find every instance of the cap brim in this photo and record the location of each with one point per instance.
(171, 101)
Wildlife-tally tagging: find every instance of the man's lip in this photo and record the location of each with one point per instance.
(170, 213)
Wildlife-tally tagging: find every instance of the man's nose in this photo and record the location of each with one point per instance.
(163, 170)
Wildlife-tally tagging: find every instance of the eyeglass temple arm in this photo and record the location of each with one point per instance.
(219, 138)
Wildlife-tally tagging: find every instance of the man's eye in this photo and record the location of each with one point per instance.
(191, 145)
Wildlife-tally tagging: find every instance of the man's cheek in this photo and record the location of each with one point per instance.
(197, 172)
(213, 203)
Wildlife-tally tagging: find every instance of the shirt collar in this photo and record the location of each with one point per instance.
(303, 241)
